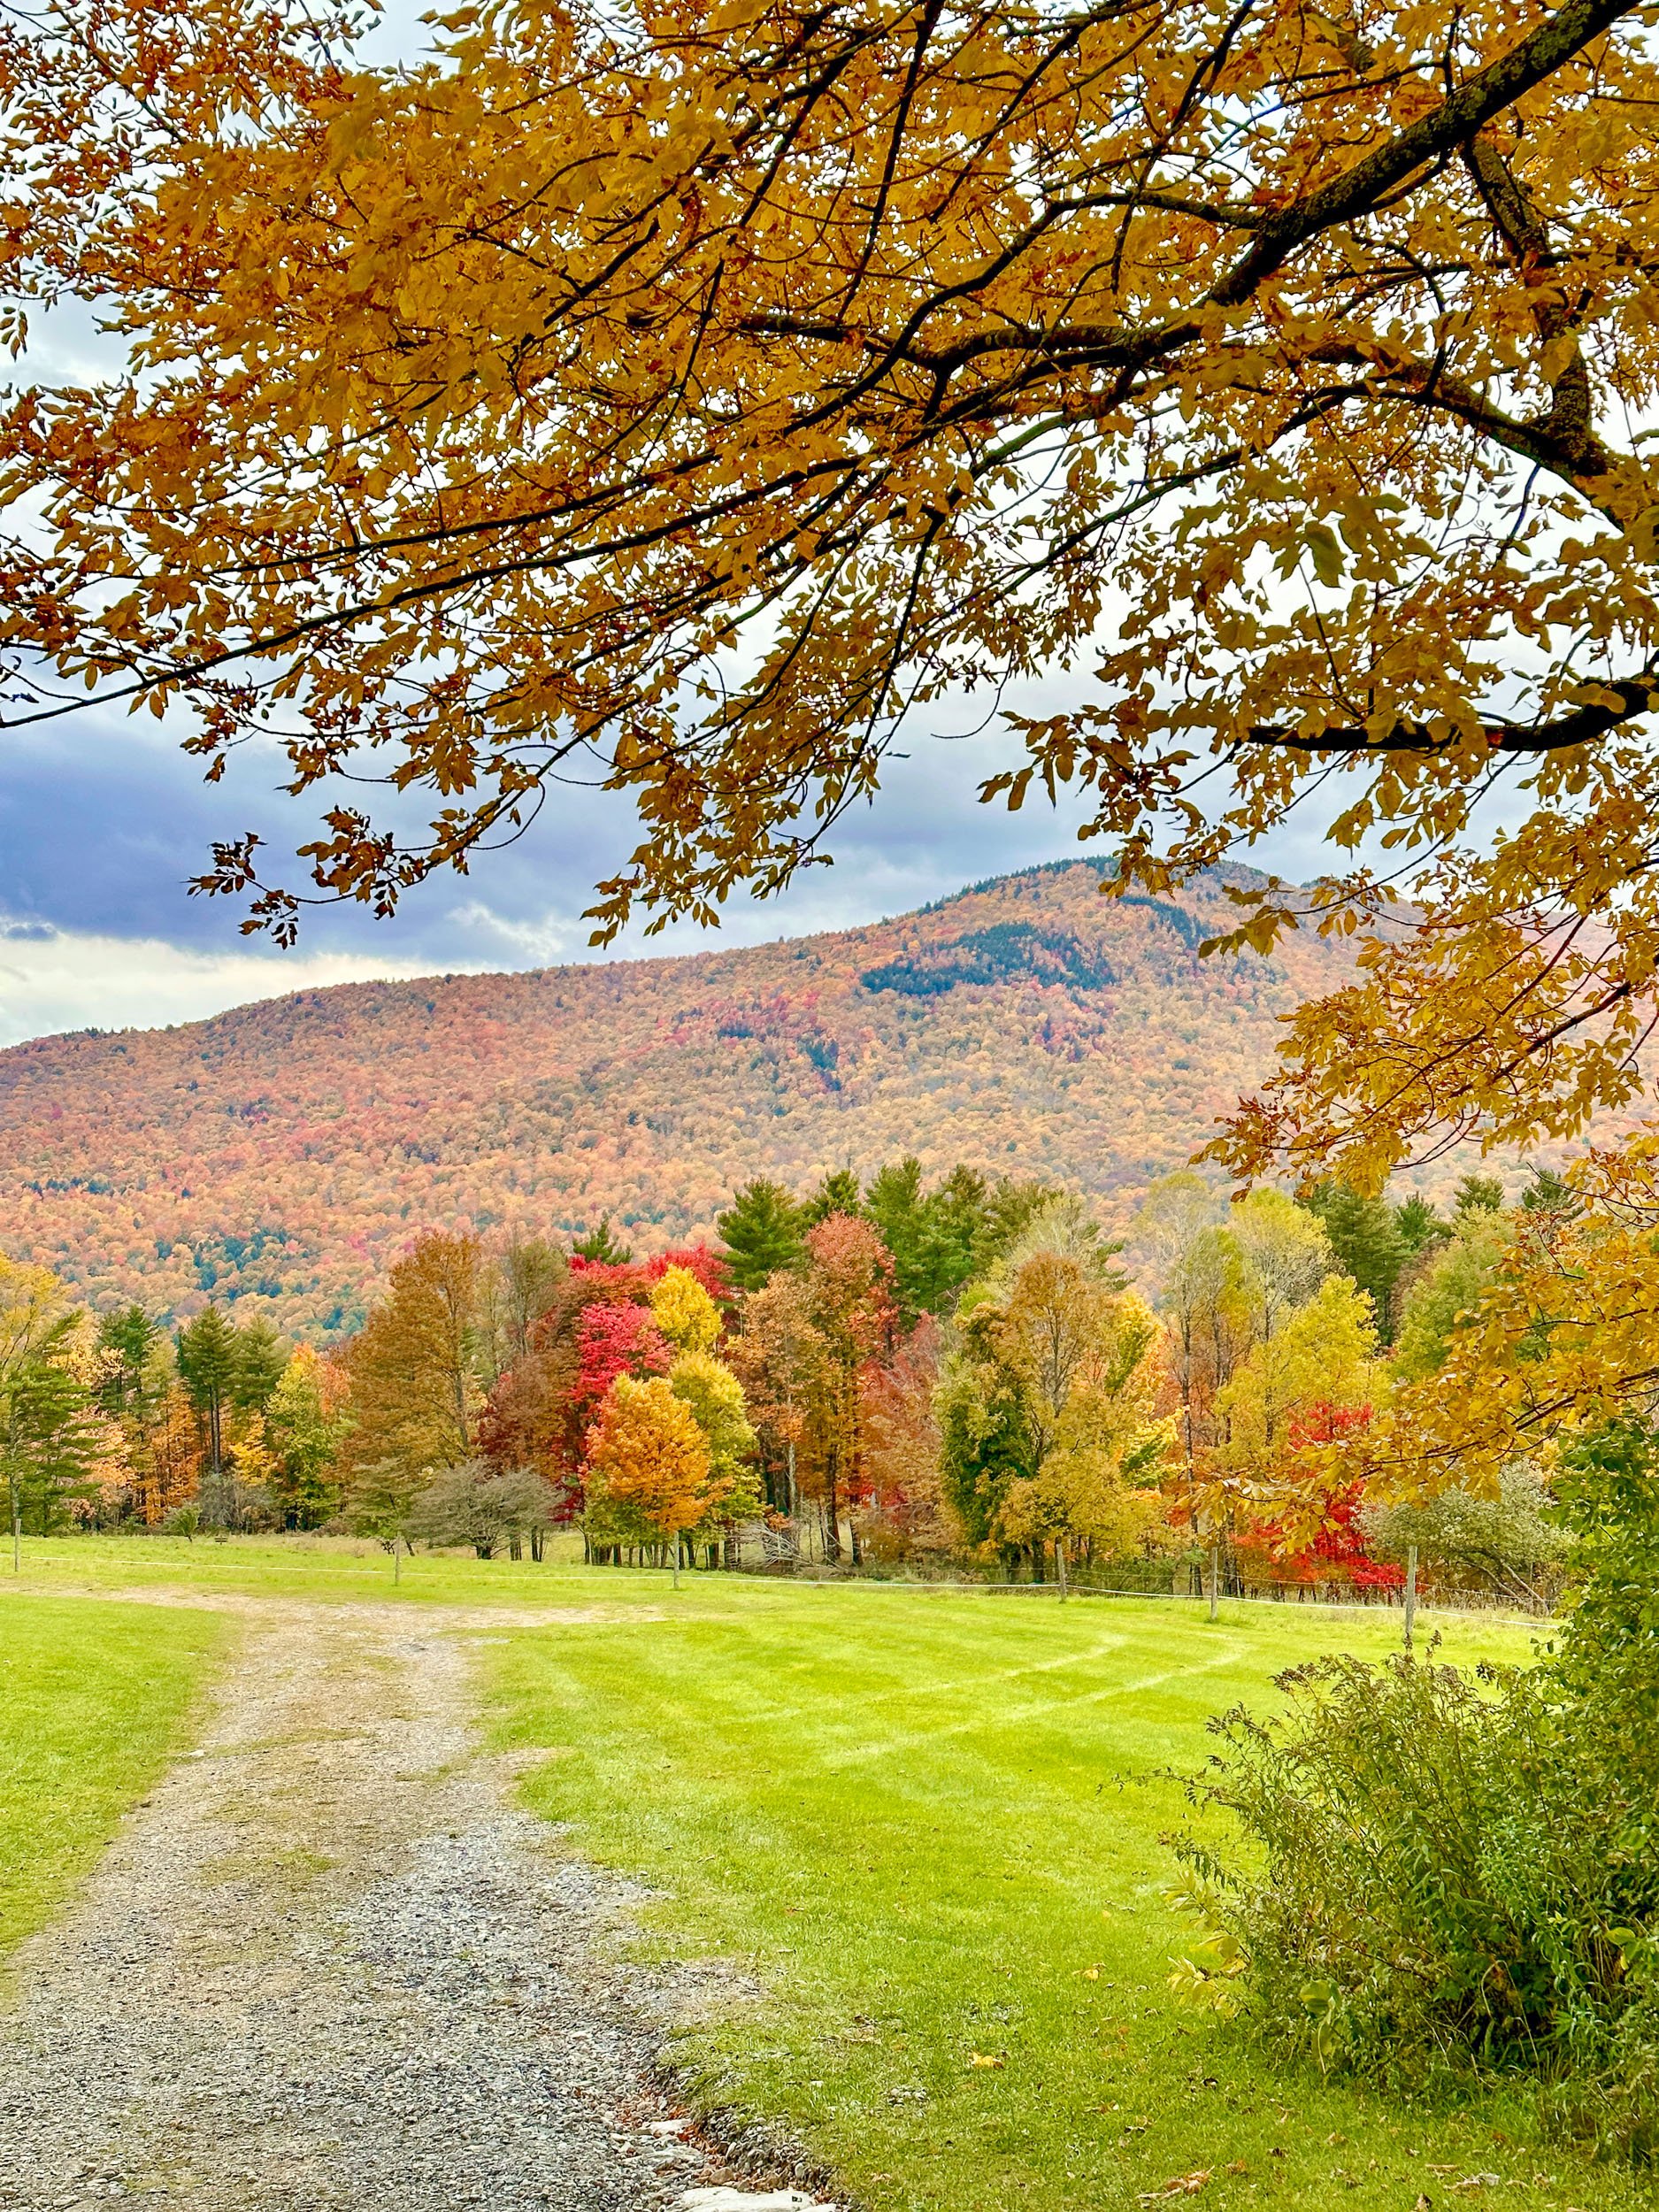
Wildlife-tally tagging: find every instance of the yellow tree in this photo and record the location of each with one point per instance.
(684, 1311)
(1265, 1478)
(1096, 1484)
(165, 1449)
(1049, 1408)
(414, 1393)
(715, 1396)
(1324, 1355)
(650, 1472)
(1554, 1336)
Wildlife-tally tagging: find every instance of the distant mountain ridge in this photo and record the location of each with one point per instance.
(284, 1153)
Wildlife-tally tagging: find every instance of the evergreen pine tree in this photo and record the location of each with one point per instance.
(1419, 1225)
(1548, 1193)
(892, 1201)
(208, 1350)
(1365, 1237)
(762, 1230)
(126, 1341)
(837, 1194)
(600, 1249)
(259, 1362)
(932, 1235)
(1479, 1194)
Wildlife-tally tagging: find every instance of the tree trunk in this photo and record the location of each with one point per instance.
(1059, 1561)
(1411, 1591)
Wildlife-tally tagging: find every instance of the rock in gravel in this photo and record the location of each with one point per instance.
(726, 2198)
(329, 1966)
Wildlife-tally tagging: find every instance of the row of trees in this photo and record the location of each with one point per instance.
(962, 1369)
(117, 1419)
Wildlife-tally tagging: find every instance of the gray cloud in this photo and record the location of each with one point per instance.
(102, 828)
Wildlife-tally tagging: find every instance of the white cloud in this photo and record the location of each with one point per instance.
(58, 979)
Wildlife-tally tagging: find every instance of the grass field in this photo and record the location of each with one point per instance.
(921, 1832)
(94, 1700)
(929, 1826)
(317, 1567)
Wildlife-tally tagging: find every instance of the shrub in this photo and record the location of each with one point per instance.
(475, 1503)
(1456, 1874)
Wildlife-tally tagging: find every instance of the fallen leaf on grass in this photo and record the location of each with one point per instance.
(1237, 2166)
(980, 2058)
(1181, 2185)
(1480, 2181)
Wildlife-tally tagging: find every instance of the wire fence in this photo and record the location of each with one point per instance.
(1439, 1602)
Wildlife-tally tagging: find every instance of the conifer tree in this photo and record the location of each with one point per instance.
(209, 1351)
(1479, 1194)
(600, 1248)
(837, 1194)
(127, 1340)
(762, 1230)
(260, 1360)
(1549, 1192)
(1419, 1225)
(1365, 1233)
(931, 1234)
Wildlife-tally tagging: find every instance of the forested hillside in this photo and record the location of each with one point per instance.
(284, 1153)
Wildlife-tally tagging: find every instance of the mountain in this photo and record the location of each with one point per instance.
(283, 1154)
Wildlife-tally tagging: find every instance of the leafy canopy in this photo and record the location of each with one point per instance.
(691, 395)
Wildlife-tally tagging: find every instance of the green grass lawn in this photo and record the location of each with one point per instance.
(921, 1830)
(928, 1827)
(327, 1568)
(94, 1700)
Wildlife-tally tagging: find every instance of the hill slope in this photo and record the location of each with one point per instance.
(284, 1153)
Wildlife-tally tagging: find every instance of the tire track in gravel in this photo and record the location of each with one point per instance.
(329, 1963)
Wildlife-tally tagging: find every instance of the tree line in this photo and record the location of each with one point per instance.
(891, 1370)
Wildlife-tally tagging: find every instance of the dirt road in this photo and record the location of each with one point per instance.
(330, 1963)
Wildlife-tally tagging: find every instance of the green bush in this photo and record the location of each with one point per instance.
(1461, 1875)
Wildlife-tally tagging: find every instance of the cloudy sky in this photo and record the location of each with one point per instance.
(103, 823)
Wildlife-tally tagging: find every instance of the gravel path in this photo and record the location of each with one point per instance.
(329, 1963)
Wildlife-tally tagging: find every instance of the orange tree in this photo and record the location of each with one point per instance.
(703, 390)
(648, 1468)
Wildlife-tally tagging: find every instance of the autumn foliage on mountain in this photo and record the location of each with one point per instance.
(279, 1158)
